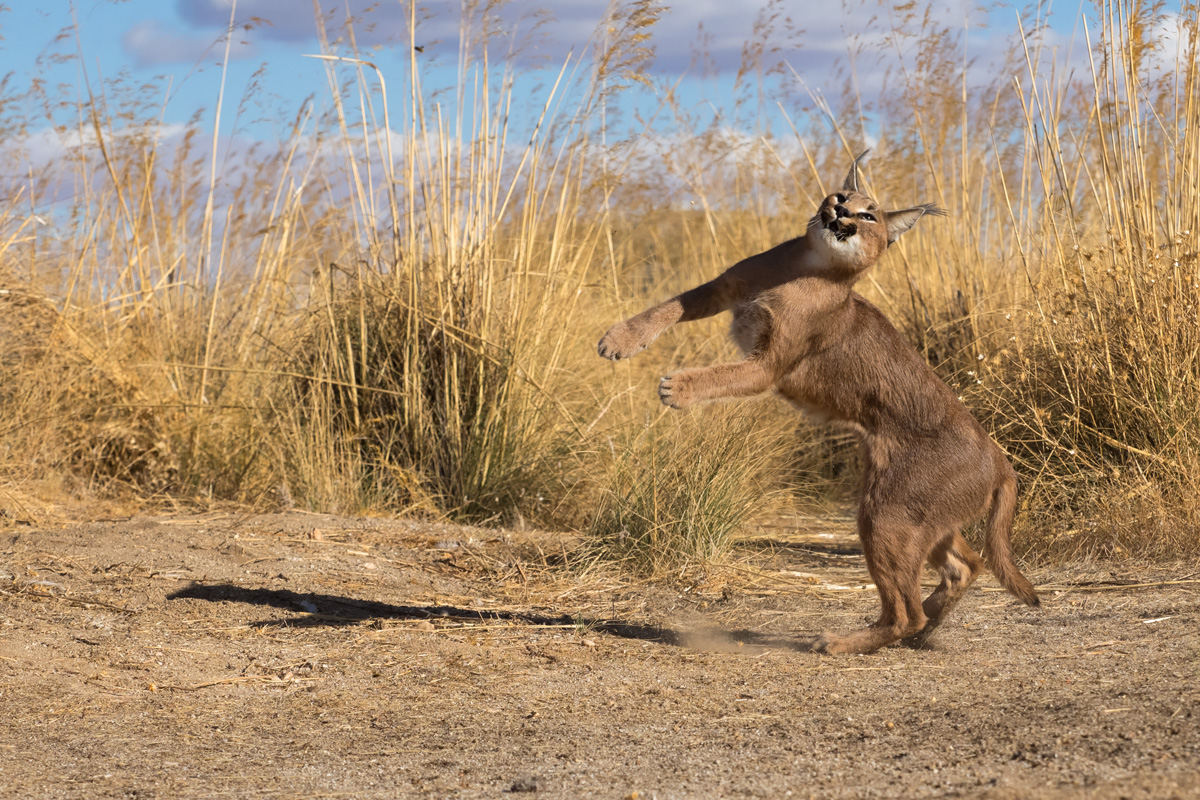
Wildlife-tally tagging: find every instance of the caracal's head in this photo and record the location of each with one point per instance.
(853, 231)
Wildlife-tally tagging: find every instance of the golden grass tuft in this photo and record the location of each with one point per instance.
(678, 488)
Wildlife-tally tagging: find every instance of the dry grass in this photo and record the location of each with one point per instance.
(358, 321)
(679, 488)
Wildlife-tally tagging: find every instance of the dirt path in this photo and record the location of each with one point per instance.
(308, 656)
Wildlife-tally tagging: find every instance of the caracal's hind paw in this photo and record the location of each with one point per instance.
(829, 644)
(866, 640)
(920, 641)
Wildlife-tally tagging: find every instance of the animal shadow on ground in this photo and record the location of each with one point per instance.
(323, 610)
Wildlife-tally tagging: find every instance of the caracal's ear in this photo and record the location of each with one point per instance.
(851, 182)
(899, 222)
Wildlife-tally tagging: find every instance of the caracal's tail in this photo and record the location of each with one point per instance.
(997, 550)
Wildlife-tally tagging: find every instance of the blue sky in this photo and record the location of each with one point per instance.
(178, 44)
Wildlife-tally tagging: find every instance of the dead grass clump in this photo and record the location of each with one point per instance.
(1111, 440)
(71, 406)
(431, 406)
(679, 487)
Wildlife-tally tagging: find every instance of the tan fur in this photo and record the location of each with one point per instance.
(930, 468)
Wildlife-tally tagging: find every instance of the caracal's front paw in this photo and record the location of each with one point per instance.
(677, 391)
(621, 341)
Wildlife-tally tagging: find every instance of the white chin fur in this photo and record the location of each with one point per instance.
(848, 249)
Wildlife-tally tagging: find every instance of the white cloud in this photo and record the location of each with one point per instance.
(1173, 39)
(542, 27)
(150, 44)
(697, 36)
(59, 158)
(45, 147)
(291, 20)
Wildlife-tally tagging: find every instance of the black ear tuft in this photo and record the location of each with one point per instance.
(851, 182)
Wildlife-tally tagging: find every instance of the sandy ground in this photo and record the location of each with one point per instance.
(296, 655)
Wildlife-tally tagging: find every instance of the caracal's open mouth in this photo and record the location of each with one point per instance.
(841, 232)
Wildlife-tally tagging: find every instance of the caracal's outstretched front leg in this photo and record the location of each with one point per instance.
(724, 381)
(628, 338)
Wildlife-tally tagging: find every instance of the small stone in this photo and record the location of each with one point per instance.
(529, 783)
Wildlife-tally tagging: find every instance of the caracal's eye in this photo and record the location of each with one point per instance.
(868, 216)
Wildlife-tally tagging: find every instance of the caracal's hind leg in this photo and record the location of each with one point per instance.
(959, 566)
(895, 555)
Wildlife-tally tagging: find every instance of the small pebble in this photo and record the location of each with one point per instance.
(529, 783)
